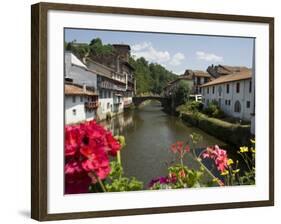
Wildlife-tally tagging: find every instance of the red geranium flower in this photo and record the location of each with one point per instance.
(87, 150)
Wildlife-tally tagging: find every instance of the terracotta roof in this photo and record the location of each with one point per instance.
(198, 73)
(242, 75)
(219, 70)
(72, 89)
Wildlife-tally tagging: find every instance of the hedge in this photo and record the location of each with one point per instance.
(235, 134)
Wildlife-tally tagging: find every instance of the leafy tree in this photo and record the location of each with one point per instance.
(97, 48)
(151, 77)
(79, 50)
(181, 93)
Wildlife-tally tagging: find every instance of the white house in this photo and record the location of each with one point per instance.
(80, 103)
(111, 90)
(234, 93)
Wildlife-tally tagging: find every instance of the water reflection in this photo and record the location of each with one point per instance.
(149, 132)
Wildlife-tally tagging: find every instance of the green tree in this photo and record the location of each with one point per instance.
(151, 77)
(97, 48)
(181, 94)
(79, 50)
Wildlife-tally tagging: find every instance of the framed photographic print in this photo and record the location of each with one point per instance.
(139, 111)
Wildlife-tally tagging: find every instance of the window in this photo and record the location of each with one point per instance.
(237, 87)
(108, 105)
(100, 94)
(205, 79)
(74, 112)
(81, 98)
(73, 99)
(208, 90)
(250, 87)
(213, 89)
(220, 90)
(229, 102)
(237, 107)
(248, 104)
(226, 102)
(198, 81)
(227, 88)
(207, 101)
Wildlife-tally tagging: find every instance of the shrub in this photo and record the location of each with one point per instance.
(190, 106)
(232, 133)
(213, 110)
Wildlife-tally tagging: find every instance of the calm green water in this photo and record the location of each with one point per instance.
(149, 132)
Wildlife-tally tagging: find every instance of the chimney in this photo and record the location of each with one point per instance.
(117, 64)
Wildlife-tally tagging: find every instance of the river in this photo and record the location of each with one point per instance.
(149, 133)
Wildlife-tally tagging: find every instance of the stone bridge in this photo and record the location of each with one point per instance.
(137, 100)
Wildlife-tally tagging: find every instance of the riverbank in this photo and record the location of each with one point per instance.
(234, 134)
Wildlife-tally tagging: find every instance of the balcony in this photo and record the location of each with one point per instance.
(110, 85)
(89, 106)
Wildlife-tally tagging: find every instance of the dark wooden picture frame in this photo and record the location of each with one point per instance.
(39, 121)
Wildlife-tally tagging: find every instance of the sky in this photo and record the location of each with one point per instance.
(176, 52)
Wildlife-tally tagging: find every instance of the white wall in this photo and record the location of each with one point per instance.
(81, 114)
(127, 100)
(15, 127)
(243, 96)
(103, 108)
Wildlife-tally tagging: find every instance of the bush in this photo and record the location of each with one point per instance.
(190, 106)
(235, 134)
(213, 110)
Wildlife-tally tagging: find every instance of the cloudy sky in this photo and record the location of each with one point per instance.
(175, 52)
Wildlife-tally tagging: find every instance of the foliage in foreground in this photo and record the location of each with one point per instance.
(93, 163)
(180, 176)
(88, 149)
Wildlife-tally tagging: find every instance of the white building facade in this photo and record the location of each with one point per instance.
(233, 93)
(115, 84)
(80, 104)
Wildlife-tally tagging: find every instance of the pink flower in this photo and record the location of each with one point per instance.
(187, 148)
(218, 155)
(174, 148)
